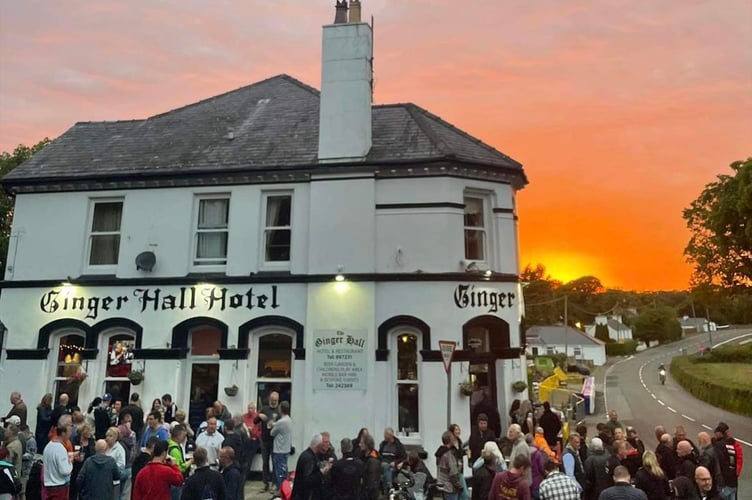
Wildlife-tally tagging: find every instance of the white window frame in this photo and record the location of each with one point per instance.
(99, 268)
(550, 351)
(415, 437)
(486, 229)
(210, 264)
(274, 265)
(57, 337)
(254, 342)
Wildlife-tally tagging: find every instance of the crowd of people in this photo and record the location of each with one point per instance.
(113, 451)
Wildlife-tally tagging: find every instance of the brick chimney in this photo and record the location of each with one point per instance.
(346, 88)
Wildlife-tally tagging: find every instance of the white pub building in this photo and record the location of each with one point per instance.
(272, 238)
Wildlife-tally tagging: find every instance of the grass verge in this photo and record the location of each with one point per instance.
(725, 385)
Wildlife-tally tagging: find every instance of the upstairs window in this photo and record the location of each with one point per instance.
(104, 237)
(277, 228)
(475, 229)
(212, 231)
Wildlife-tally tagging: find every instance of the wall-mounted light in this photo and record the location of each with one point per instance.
(340, 277)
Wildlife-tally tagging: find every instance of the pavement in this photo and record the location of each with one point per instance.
(254, 491)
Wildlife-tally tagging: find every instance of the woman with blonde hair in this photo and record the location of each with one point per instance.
(651, 479)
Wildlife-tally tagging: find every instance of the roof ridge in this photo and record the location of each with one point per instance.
(412, 110)
(283, 76)
(464, 134)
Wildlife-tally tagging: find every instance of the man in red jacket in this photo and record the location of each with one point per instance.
(156, 478)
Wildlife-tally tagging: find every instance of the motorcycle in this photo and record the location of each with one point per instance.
(662, 375)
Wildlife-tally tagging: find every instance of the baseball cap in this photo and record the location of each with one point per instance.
(107, 397)
(722, 427)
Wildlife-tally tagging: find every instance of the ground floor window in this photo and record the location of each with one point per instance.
(274, 367)
(119, 364)
(69, 370)
(407, 384)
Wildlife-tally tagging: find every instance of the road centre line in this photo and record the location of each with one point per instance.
(707, 427)
(661, 402)
(670, 409)
(653, 395)
(689, 418)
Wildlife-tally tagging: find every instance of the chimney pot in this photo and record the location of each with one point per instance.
(354, 11)
(340, 15)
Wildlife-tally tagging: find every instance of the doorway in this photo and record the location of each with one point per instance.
(482, 375)
(204, 391)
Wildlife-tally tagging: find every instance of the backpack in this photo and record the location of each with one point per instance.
(128, 452)
(9, 476)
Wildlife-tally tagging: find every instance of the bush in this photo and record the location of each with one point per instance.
(709, 389)
(728, 354)
(623, 349)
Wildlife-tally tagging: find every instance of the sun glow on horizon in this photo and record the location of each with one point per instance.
(565, 267)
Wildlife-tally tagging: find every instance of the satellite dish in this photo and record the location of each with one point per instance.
(145, 261)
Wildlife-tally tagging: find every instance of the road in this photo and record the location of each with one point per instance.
(633, 389)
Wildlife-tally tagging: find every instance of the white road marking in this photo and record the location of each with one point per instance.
(661, 402)
(745, 341)
(707, 427)
(670, 409)
(731, 340)
(689, 418)
(743, 441)
(654, 396)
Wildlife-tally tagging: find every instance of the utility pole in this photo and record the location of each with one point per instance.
(566, 333)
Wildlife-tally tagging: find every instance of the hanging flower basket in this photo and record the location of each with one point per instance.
(136, 377)
(466, 388)
(231, 391)
(519, 386)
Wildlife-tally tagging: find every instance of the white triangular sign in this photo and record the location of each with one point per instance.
(447, 351)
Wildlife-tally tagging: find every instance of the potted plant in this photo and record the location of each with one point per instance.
(466, 388)
(519, 386)
(231, 391)
(136, 377)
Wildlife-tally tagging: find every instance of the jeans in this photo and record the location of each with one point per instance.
(266, 456)
(728, 493)
(280, 468)
(387, 474)
(250, 451)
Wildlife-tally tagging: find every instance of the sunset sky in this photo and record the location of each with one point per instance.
(620, 111)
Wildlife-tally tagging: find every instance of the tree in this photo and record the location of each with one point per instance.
(8, 162)
(658, 323)
(538, 289)
(721, 223)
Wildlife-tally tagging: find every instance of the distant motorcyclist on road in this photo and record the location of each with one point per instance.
(662, 374)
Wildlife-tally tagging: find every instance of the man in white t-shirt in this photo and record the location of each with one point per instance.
(211, 439)
(58, 462)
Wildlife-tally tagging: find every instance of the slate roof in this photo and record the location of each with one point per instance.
(555, 335)
(269, 125)
(615, 324)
